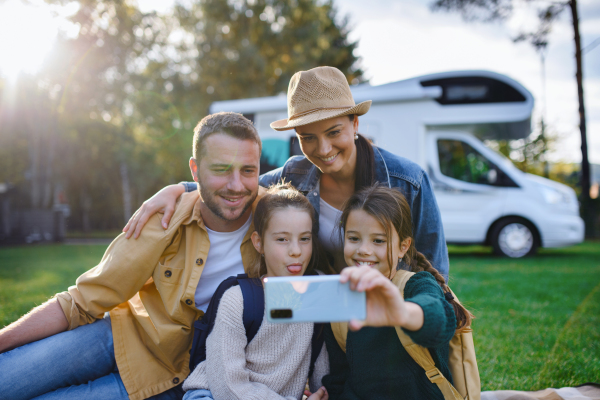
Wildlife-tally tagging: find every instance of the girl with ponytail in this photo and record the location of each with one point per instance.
(376, 230)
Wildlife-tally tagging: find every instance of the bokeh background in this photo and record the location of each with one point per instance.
(98, 99)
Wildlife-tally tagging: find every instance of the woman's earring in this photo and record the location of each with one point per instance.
(262, 255)
(355, 135)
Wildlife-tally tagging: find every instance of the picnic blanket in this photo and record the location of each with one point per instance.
(587, 391)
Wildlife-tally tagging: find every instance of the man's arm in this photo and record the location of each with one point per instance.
(123, 270)
(41, 322)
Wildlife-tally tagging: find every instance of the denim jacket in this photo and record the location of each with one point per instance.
(393, 171)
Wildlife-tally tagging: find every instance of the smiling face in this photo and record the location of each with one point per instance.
(286, 243)
(329, 144)
(367, 243)
(228, 181)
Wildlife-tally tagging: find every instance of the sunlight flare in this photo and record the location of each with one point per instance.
(28, 34)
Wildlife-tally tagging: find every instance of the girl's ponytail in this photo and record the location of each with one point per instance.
(420, 263)
(364, 174)
(365, 164)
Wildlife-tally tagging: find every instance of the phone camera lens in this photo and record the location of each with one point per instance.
(281, 314)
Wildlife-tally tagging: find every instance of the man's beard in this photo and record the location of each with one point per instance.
(210, 201)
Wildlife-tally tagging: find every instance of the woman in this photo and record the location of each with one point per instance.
(337, 162)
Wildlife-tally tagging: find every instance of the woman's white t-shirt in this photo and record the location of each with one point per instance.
(329, 234)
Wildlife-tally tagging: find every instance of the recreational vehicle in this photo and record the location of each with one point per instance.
(440, 122)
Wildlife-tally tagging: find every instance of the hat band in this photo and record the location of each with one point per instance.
(300, 114)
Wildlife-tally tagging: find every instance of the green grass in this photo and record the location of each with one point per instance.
(30, 275)
(537, 319)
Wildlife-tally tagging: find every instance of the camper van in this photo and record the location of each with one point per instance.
(441, 121)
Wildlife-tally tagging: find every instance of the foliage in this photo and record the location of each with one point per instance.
(108, 121)
(271, 39)
(529, 154)
(537, 319)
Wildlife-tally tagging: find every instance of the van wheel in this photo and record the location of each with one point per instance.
(514, 238)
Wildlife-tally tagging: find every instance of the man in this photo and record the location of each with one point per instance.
(152, 289)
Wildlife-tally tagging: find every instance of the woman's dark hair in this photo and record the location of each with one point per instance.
(283, 196)
(365, 162)
(390, 208)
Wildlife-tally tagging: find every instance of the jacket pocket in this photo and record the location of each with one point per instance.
(167, 274)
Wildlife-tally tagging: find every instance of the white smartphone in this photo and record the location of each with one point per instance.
(313, 298)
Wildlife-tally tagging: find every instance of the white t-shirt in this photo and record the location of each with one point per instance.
(329, 234)
(224, 259)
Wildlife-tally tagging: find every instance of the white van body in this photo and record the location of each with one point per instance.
(439, 122)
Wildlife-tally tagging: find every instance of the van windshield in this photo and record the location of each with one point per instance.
(494, 145)
(460, 161)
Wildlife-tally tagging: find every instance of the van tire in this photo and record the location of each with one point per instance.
(514, 238)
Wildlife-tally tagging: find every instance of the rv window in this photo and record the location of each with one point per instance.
(473, 90)
(460, 161)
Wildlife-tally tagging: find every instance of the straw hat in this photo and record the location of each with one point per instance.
(318, 94)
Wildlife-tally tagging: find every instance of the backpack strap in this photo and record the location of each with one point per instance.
(420, 354)
(204, 325)
(340, 332)
(254, 304)
(400, 279)
(318, 337)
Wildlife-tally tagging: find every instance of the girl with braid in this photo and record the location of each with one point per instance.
(377, 233)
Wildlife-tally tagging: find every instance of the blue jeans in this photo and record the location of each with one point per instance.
(199, 394)
(77, 364)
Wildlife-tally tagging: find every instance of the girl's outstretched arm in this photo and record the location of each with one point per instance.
(385, 305)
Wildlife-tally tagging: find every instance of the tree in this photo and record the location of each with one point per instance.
(109, 117)
(490, 10)
(529, 154)
(251, 48)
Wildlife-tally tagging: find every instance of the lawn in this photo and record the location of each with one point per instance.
(537, 319)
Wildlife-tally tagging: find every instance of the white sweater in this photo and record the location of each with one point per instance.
(274, 365)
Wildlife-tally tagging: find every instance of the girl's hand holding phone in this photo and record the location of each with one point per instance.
(385, 305)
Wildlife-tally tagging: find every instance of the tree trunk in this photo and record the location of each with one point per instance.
(586, 205)
(126, 191)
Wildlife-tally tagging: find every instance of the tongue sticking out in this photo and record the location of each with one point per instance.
(294, 269)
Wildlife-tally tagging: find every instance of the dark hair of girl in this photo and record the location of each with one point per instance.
(281, 197)
(365, 162)
(390, 208)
